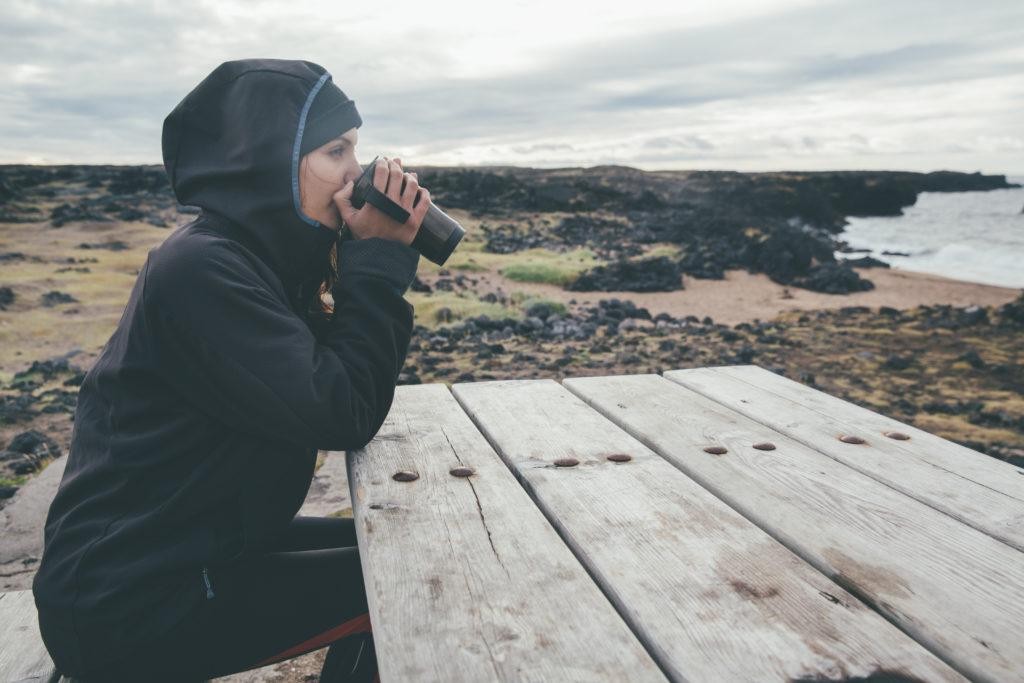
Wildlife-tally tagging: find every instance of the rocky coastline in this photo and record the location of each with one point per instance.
(72, 239)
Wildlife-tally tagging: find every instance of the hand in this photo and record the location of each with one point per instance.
(402, 188)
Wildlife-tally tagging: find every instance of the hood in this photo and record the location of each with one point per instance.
(231, 147)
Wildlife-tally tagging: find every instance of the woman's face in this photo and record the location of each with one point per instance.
(324, 171)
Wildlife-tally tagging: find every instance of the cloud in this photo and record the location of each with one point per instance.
(740, 85)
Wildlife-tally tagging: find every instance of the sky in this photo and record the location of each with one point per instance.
(744, 85)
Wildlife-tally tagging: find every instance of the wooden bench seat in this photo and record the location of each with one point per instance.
(23, 657)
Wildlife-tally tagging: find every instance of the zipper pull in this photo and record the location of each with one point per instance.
(209, 589)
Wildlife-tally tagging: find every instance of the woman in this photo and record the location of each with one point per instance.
(172, 548)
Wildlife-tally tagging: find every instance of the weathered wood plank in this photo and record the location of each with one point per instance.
(23, 656)
(466, 580)
(935, 471)
(712, 596)
(952, 588)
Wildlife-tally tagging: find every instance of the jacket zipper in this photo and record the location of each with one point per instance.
(209, 589)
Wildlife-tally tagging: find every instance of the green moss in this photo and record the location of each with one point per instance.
(538, 272)
(13, 481)
(344, 512)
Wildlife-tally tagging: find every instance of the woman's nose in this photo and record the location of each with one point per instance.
(354, 171)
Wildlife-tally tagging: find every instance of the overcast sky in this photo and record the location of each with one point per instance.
(765, 85)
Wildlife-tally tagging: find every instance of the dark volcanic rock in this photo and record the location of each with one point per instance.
(6, 297)
(865, 262)
(786, 253)
(1012, 313)
(7, 191)
(136, 179)
(608, 237)
(19, 408)
(54, 297)
(659, 274)
(854, 195)
(542, 310)
(27, 451)
(506, 239)
(419, 285)
(973, 358)
(832, 278)
(952, 181)
(951, 317)
(709, 257)
(113, 245)
(66, 213)
(41, 371)
(895, 362)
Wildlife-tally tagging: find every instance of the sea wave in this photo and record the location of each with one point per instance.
(974, 236)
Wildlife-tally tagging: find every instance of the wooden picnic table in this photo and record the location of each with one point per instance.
(710, 524)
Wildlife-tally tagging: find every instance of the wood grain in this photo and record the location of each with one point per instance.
(712, 596)
(972, 487)
(466, 580)
(952, 588)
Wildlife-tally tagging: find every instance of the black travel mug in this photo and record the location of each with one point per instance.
(438, 234)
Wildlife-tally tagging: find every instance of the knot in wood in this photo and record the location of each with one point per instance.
(405, 475)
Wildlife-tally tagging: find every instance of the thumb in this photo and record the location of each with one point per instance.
(343, 200)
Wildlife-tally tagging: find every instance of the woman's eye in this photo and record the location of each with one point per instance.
(337, 151)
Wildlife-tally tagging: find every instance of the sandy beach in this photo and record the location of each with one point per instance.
(746, 297)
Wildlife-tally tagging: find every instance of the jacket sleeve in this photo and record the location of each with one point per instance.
(228, 345)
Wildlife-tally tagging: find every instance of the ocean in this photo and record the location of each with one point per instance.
(974, 236)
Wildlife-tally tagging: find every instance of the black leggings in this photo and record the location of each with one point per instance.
(305, 594)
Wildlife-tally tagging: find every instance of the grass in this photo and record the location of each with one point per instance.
(548, 267)
(465, 305)
(529, 265)
(673, 251)
(460, 304)
(545, 273)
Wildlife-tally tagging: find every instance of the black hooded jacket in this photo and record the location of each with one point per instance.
(197, 429)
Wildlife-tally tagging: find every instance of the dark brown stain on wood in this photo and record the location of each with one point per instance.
(876, 580)
(746, 590)
(436, 587)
